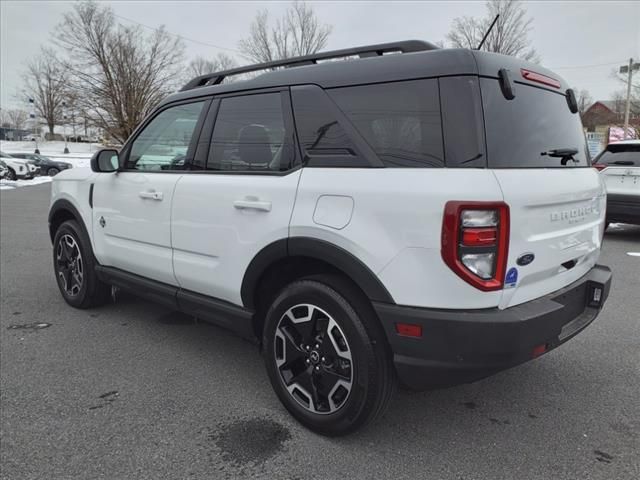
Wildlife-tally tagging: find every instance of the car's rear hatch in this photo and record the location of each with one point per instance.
(620, 167)
(556, 200)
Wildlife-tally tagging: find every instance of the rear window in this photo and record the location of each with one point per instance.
(521, 132)
(400, 121)
(620, 154)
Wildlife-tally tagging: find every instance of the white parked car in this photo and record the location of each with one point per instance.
(619, 165)
(3, 169)
(16, 168)
(385, 217)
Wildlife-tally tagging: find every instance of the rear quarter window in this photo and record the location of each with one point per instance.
(322, 130)
(400, 121)
(536, 121)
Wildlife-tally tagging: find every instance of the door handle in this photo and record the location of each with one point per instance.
(151, 195)
(252, 203)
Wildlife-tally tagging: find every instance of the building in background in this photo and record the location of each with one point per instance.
(604, 121)
(10, 133)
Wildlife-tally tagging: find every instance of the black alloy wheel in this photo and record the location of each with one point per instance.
(313, 358)
(327, 356)
(70, 265)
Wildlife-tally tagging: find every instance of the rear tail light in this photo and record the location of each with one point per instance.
(599, 166)
(475, 242)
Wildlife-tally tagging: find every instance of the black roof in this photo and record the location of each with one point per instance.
(425, 62)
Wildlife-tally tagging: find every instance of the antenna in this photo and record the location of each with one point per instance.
(488, 32)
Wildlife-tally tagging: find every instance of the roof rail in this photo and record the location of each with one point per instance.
(365, 51)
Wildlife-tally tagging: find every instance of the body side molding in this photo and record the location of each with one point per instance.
(219, 312)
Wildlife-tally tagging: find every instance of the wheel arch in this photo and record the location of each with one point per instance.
(61, 211)
(286, 260)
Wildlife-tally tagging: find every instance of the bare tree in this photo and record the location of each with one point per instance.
(118, 74)
(16, 118)
(621, 95)
(45, 83)
(73, 115)
(584, 100)
(4, 119)
(297, 33)
(201, 66)
(510, 34)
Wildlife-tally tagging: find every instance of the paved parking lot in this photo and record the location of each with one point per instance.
(131, 390)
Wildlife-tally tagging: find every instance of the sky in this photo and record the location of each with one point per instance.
(583, 41)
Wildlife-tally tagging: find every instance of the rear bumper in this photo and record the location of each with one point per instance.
(461, 346)
(623, 208)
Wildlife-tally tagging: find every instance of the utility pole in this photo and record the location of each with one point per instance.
(628, 69)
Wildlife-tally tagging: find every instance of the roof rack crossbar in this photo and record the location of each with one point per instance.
(366, 51)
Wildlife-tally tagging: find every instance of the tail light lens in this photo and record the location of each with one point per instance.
(475, 242)
(599, 166)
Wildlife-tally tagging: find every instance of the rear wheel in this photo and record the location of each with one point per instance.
(326, 357)
(53, 171)
(11, 174)
(74, 267)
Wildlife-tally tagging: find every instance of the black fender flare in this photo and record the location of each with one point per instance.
(317, 249)
(65, 205)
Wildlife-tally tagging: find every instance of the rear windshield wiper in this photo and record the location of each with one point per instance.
(623, 162)
(565, 154)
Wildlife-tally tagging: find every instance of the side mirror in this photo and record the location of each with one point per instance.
(105, 161)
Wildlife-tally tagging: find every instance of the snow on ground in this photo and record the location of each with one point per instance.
(78, 156)
(10, 185)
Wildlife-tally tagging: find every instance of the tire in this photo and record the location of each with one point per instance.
(11, 174)
(314, 379)
(74, 267)
(53, 171)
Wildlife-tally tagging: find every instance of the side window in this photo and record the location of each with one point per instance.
(400, 120)
(164, 142)
(250, 134)
(322, 137)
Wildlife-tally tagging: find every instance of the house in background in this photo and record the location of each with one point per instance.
(604, 120)
(608, 113)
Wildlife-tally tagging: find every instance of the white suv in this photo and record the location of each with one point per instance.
(430, 215)
(16, 168)
(619, 165)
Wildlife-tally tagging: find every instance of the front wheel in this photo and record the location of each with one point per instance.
(53, 171)
(74, 267)
(327, 359)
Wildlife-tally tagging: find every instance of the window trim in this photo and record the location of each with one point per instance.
(123, 156)
(206, 134)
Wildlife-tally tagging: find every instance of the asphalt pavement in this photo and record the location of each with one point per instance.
(134, 391)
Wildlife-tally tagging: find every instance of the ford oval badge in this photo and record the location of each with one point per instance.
(525, 259)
